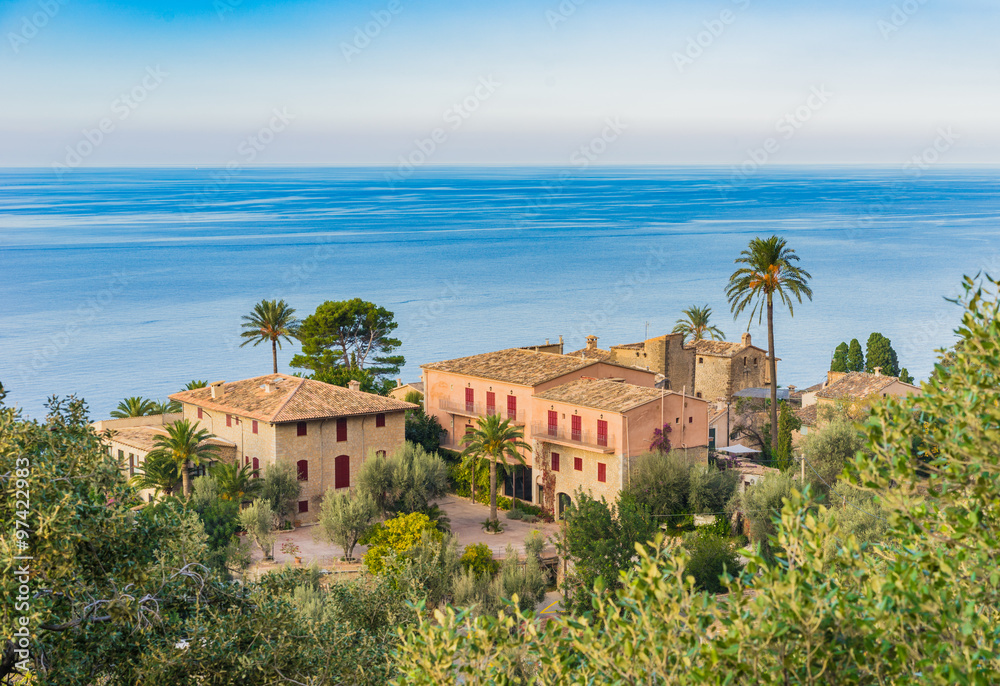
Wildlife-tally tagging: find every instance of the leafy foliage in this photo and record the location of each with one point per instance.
(761, 505)
(855, 357)
(394, 537)
(499, 442)
(839, 362)
(134, 406)
(157, 473)
(270, 321)
(661, 441)
(344, 519)
(787, 423)
(280, 489)
(880, 353)
(424, 429)
(711, 556)
(185, 445)
(259, 521)
(406, 481)
(695, 323)
(829, 449)
(235, 482)
(478, 558)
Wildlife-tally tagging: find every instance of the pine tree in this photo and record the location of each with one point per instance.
(839, 363)
(855, 358)
(904, 376)
(879, 353)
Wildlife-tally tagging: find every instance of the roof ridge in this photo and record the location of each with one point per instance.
(291, 394)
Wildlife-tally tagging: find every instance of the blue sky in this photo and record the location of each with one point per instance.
(498, 82)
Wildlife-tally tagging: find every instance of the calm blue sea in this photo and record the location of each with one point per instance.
(121, 282)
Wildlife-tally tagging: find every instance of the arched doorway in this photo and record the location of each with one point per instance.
(564, 502)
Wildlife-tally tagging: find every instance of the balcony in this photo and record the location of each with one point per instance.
(562, 435)
(464, 409)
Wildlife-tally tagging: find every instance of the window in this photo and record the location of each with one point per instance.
(256, 468)
(341, 429)
(690, 420)
(491, 403)
(553, 422)
(302, 468)
(121, 455)
(512, 407)
(602, 472)
(254, 426)
(755, 361)
(555, 462)
(711, 438)
(698, 394)
(131, 464)
(303, 506)
(201, 415)
(576, 426)
(229, 420)
(677, 420)
(380, 453)
(470, 400)
(380, 419)
(701, 360)
(602, 432)
(744, 362)
(342, 472)
(301, 429)
(578, 464)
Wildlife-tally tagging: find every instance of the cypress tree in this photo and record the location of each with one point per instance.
(879, 353)
(855, 358)
(839, 363)
(904, 376)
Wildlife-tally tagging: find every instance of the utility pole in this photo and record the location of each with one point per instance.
(803, 458)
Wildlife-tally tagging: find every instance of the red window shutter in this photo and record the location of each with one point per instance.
(602, 432)
(380, 419)
(578, 464)
(602, 472)
(302, 467)
(470, 399)
(512, 407)
(255, 426)
(555, 462)
(577, 427)
(303, 506)
(553, 422)
(342, 471)
(201, 414)
(300, 429)
(229, 420)
(341, 429)
(256, 468)
(491, 403)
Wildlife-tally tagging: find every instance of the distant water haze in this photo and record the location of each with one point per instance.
(120, 282)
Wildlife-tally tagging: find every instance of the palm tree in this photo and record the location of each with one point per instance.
(166, 407)
(271, 320)
(498, 441)
(694, 323)
(195, 383)
(770, 271)
(184, 445)
(235, 482)
(158, 474)
(136, 406)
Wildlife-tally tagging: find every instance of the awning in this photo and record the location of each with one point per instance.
(765, 393)
(737, 449)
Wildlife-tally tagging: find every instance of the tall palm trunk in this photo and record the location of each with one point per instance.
(186, 480)
(274, 353)
(772, 368)
(473, 480)
(493, 489)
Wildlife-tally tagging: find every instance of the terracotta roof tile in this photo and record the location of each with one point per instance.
(720, 348)
(593, 354)
(514, 365)
(603, 394)
(292, 399)
(856, 385)
(807, 414)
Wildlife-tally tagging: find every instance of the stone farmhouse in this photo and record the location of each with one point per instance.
(585, 418)
(850, 388)
(324, 432)
(713, 370)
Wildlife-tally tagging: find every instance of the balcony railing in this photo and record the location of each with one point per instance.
(566, 435)
(478, 410)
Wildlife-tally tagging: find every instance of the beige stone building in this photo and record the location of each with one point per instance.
(855, 387)
(323, 432)
(403, 389)
(713, 370)
(584, 417)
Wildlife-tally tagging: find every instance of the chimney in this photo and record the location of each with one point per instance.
(269, 386)
(878, 371)
(354, 385)
(745, 339)
(546, 341)
(591, 342)
(217, 390)
(833, 377)
(399, 383)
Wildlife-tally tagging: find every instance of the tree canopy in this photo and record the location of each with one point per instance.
(270, 321)
(839, 362)
(350, 339)
(879, 353)
(855, 357)
(695, 323)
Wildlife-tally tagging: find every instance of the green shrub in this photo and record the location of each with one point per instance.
(515, 514)
(394, 537)
(478, 559)
(711, 557)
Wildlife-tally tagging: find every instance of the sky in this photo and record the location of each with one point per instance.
(214, 82)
